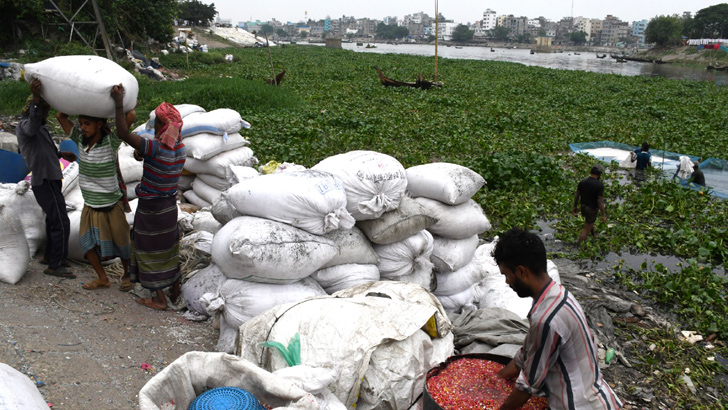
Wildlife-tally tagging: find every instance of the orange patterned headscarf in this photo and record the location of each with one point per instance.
(171, 131)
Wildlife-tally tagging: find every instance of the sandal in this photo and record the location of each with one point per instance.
(126, 285)
(149, 302)
(95, 284)
(60, 272)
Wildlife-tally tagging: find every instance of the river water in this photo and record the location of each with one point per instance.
(566, 60)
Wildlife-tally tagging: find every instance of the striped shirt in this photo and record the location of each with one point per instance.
(162, 168)
(558, 359)
(97, 170)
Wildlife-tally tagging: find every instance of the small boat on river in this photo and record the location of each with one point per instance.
(420, 83)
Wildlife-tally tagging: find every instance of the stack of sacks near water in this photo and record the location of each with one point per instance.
(214, 146)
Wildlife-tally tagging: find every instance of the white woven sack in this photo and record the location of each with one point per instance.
(20, 200)
(353, 248)
(81, 85)
(451, 283)
(219, 164)
(262, 250)
(204, 191)
(452, 184)
(18, 392)
(374, 182)
(314, 201)
(405, 257)
(452, 254)
(456, 221)
(195, 199)
(399, 224)
(237, 173)
(461, 300)
(131, 169)
(14, 251)
(204, 221)
(207, 280)
(214, 182)
(205, 146)
(241, 300)
(221, 121)
(422, 277)
(339, 277)
(184, 182)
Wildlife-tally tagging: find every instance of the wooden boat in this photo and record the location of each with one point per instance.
(533, 52)
(370, 46)
(277, 80)
(601, 56)
(458, 46)
(621, 60)
(359, 43)
(577, 54)
(420, 83)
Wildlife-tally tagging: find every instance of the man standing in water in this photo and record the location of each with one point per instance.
(590, 192)
(558, 358)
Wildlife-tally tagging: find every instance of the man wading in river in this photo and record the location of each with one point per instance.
(558, 358)
(590, 192)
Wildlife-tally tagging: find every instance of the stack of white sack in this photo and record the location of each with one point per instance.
(265, 259)
(493, 291)
(18, 199)
(380, 338)
(402, 244)
(374, 182)
(213, 144)
(354, 264)
(446, 191)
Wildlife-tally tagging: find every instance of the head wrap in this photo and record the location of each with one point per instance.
(170, 133)
(29, 102)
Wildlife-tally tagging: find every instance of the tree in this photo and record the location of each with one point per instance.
(325, 33)
(303, 34)
(462, 33)
(197, 13)
(281, 33)
(140, 20)
(578, 37)
(430, 38)
(541, 32)
(391, 32)
(524, 38)
(500, 33)
(11, 11)
(267, 29)
(712, 22)
(664, 31)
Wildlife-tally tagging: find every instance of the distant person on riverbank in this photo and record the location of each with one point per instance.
(559, 357)
(590, 194)
(697, 178)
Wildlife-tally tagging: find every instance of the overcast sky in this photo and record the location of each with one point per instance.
(462, 11)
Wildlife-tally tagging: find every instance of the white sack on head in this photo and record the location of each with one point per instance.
(20, 200)
(204, 191)
(456, 221)
(314, 201)
(262, 250)
(339, 277)
(353, 248)
(452, 184)
(219, 164)
(207, 280)
(405, 257)
(398, 224)
(221, 121)
(374, 182)
(14, 252)
(452, 254)
(205, 146)
(81, 85)
(195, 199)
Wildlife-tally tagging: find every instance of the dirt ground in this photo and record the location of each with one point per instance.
(85, 349)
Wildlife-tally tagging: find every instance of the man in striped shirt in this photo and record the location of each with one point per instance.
(558, 359)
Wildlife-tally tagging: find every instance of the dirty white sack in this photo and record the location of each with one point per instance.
(452, 184)
(18, 392)
(398, 224)
(339, 277)
(14, 252)
(219, 164)
(449, 255)
(19, 200)
(405, 257)
(456, 221)
(353, 248)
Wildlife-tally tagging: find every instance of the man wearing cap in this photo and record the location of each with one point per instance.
(590, 192)
(41, 154)
(697, 178)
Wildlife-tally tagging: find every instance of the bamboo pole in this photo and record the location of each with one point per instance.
(270, 57)
(104, 37)
(437, 34)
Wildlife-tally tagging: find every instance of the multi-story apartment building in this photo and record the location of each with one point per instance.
(595, 35)
(613, 30)
(390, 20)
(516, 25)
(490, 20)
(638, 31)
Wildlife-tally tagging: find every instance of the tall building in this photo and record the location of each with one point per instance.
(638, 30)
(583, 24)
(490, 20)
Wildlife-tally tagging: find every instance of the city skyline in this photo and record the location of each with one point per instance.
(461, 11)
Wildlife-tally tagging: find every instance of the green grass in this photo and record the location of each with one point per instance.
(12, 96)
